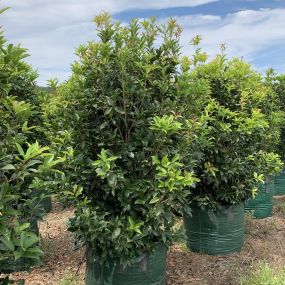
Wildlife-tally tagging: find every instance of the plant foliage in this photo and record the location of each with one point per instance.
(240, 120)
(21, 163)
(129, 136)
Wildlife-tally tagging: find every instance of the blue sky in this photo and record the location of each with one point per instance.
(51, 30)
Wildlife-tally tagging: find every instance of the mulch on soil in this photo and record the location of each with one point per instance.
(63, 265)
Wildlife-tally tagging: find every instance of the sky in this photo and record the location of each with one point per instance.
(51, 30)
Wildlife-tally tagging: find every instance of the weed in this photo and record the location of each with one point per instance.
(264, 275)
(71, 279)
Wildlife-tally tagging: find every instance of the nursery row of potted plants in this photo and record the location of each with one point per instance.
(262, 205)
(155, 137)
(138, 138)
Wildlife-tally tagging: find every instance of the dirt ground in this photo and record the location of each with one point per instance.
(265, 241)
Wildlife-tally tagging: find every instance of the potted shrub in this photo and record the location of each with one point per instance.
(230, 95)
(18, 80)
(262, 204)
(17, 240)
(279, 183)
(277, 83)
(128, 127)
(21, 166)
(60, 131)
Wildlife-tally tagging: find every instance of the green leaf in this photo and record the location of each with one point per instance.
(27, 239)
(8, 243)
(8, 167)
(119, 110)
(4, 9)
(20, 150)
(116, 233)
(154, 200)
(110, 101)
(22, 227)
(34, 253)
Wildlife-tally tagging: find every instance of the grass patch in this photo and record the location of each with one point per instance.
(70, 279)
(264, 275)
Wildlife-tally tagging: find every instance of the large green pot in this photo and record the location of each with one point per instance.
(148, 270)
(262, 205)
(47, 204)
(215, 233)
(279, 184)
(43, 199)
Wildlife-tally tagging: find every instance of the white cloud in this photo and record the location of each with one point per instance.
(199, 21)
(52, 52)
(36, 15)
(246, 33)
(52, 29)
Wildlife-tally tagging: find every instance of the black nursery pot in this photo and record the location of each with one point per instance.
(149, 269)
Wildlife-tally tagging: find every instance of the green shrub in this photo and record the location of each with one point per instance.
(60, 129)
(21, 164)
(127, 126)
(239, 116)
(277, 83)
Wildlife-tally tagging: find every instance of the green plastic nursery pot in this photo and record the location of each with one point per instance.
(34, 227)
(47, 204)
(148, 270)
(262, 205)
(279, 184)
(215, 233)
